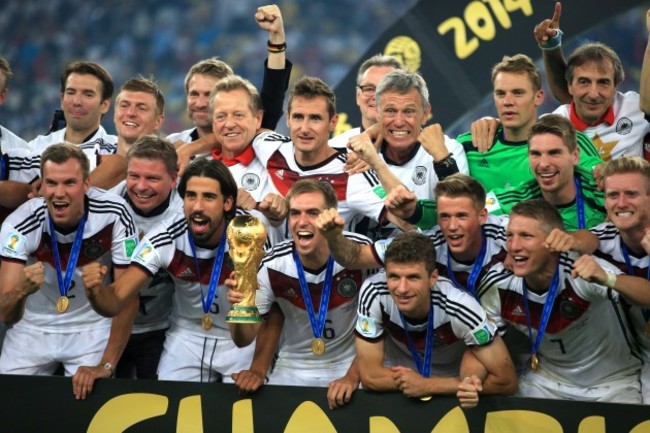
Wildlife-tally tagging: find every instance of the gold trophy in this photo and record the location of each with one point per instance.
(246, 236)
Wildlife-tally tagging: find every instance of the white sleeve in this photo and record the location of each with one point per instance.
(266, 143)
(369, 318)
(125, 238)
(150, 257)
(364, 198)
(264, 297)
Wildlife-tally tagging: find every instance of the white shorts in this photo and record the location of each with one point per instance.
(30, 352)
(307, 377)
(193, 358)
(535, 385)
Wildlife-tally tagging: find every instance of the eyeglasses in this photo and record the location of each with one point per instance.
(367, 90)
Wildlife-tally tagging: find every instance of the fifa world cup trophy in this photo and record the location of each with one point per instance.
(246, 236)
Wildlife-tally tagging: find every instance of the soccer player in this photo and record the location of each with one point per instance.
(553, 155)
(192, 248)
(308, 298)
(17, 169)
(86, 92)
(517, 93)
(139, 110)
(587, 85)
(467, 240)
(45, 243)
(150, 191)
(403, 310)
(306, 154)
(579, 347)
(624, 239)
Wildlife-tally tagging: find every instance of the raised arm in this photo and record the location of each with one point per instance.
(346, 252)
(110, 300)
(277, 69)
(635, 289)
(549, 38)
(365, 147)
(17, 282)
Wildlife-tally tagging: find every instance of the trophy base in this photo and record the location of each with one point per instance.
(240, 314)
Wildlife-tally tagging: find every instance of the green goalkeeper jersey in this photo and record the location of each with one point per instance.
(501, 200)
(506, 163)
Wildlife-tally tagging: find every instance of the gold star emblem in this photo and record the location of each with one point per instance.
(604, 148)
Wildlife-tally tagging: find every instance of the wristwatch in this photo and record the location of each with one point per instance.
(108, 366)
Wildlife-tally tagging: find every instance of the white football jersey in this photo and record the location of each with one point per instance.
(458, 322)
(585, 343)
(109, 236)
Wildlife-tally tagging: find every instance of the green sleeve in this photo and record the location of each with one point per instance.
(589, 157)
(425, 216)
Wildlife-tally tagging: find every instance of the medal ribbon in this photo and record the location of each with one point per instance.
(206, 301)
(316, 326)
(4, 173)
(424, 367)
(546, 312)
(580, 204)
(630, 271)
(476, 267)
(64, 284)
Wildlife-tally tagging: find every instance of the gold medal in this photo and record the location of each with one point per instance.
(62, 304)
(206, 322)
(425, 398)
(534, 362)
(318, 346)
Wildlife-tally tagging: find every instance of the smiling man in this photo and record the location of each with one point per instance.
(150, 191)
(86, 92)
(192, 248)
(517, 92)
(553, 155)
(587, 83)
(236, 120)
(416, 154)
(566, 306)
(625, 239)
(403, 310)
(306, 296)
(46, 242)
(306, 154)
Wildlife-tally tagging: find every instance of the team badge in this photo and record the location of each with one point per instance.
(419, 175)
(569, 309)
(93, 250)
(347, 287)
(624, 126)
(250, 181)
